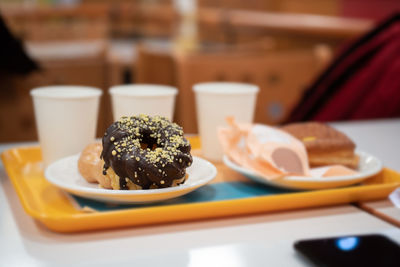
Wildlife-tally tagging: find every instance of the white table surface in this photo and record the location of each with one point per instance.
(384, 209)
(379, 137)
(258, 240)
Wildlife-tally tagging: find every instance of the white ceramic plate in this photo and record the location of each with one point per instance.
(368, 166)
(64, 174)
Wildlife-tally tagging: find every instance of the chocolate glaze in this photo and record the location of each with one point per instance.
(146, 150)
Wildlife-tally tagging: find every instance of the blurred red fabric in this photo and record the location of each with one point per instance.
(363, 82)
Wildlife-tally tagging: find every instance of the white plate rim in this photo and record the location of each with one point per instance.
(322, 180)
(110, 192)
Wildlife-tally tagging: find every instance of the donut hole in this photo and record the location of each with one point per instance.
(148, 142)
(144, 146)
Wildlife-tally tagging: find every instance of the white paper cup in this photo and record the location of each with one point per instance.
(135, 99)
(214, 103)
(66, 119)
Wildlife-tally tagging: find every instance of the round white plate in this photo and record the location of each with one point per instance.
(64, 174)
(368, 166)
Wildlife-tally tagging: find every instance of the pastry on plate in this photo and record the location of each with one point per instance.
(324, 144)
(266, 150)
(143, 152)
(90, 165)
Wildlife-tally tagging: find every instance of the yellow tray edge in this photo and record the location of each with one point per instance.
(194, 211)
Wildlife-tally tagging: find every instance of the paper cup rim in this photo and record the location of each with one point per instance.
(64, 92)
(224, 88)
(143, 90)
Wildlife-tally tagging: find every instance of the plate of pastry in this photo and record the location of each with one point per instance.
(369, 165)
(64, 174)
(141, 159)
(301, 156)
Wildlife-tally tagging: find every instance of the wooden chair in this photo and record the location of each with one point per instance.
(83, 66)
(156, 60)
(281, 75)
(121, 62)
(155, 63)
(17, 121)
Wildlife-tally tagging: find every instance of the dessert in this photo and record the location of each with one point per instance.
(268, 151)
(325, 145)
(143, 152)
(91, 166)
(272, 153)
(139, 152)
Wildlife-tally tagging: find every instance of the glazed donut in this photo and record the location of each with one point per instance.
(143, 152)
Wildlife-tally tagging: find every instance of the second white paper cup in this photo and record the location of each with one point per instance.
(66, 119)
(217, 101)
(135, 99)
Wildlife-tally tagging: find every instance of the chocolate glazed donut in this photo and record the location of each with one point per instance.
(145, 152)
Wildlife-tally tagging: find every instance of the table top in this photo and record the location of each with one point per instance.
(383, 209)
(256, 240)
(378, 137)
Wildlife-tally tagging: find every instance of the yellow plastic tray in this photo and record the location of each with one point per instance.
(53, 208)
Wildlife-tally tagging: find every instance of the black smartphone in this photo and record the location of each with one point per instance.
(360, 250)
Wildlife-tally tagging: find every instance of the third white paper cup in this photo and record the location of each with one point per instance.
(217, 101)
(66, 119)
(135, 99)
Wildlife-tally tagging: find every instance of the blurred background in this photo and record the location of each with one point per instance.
(281, 45)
